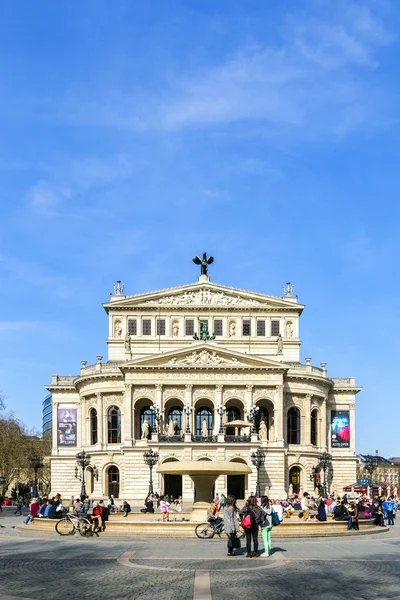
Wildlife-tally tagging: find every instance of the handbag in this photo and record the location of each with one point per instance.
(275, 519)
(236, 542)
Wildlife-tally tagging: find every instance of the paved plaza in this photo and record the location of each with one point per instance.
(44, 567)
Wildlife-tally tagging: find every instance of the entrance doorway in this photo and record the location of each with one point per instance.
(236, 486)
(173, 485)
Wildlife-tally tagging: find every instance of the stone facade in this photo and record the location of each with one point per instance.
(155, 362)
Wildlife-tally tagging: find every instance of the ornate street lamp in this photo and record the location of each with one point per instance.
(188, 411)
(157, 416)
(151, 459)
(251, 417)
(36, 463)
(221, 409)
(370, 465)
(83, 461)
(325, 461)
(258, 459)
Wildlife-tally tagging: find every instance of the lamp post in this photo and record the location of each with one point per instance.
(188, 412)
(325, 460)
(83, 461)
(151, 459)
(36, 463)
(370, 465)
(258, 459)
(251, 417)
(221, 409)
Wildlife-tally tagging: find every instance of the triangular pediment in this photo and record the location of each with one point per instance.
(204, 355)
(204, 295)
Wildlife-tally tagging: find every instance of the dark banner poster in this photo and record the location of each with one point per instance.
(66, 427)
(340, 429)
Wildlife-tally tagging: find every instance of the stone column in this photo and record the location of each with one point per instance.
(323, 440)
(54, 432)
(352, 428)
(278, 414)
(127, 420)
(188, 400)
(159, 403)
(306, 425)
(100, 420)
(218, 402)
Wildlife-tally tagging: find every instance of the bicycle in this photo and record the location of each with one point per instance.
(70, 524)
(208, 530)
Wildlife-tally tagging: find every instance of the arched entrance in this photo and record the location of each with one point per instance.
(113, 481)
(236, 484)
(294, 479)
(172, 482)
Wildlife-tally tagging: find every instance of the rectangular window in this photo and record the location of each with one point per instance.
(246, 327)
(260, 328)
(160, 326)
(189, 327)
(132, 326)
(146, 327)
(217, 326)
(275, 328)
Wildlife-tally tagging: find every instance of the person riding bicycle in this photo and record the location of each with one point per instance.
(212, 515)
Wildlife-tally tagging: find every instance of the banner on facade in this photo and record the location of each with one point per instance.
(340, 429)
(66, 426)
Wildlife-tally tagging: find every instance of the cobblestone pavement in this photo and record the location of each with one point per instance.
(38, 567)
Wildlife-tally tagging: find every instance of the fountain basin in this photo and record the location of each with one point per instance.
(203, 473)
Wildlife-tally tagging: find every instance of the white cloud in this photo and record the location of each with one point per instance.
(46, 197)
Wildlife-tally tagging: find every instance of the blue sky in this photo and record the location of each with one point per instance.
(135, 135)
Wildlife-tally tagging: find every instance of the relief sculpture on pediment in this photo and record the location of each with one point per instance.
(203, 297)
(203, 358)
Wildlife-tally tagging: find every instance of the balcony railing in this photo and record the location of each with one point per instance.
(206, 438)
(241, 439)
(171, 439)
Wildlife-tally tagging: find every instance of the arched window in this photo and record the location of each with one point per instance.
(93, 426)
(294, 479)
(232, 414)
(314, 427)
(204, 413)
(175, 415)
(114, 425)
(293, 426)
(147, 413)
(113, 481)
(262, 415)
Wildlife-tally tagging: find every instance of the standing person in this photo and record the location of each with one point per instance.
(231, 522)
(353, 513)
(19, 503)
(266, 525)
(164, 505)
(1, 503)
(305, 506)
(391, 508)
(255, 514)
(34, 509)
(278, 508)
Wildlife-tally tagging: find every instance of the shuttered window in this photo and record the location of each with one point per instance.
(246, 327)
(260, 328)
(146, 327)
(132, 326)
(275, 328)
(189, 327)
(218, 326)
(160, 326)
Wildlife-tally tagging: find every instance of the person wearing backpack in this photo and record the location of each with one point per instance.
(251, 515)
(266, 525)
